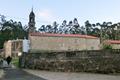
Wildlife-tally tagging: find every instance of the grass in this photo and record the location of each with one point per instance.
(15, 62)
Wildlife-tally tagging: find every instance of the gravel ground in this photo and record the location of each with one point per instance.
(72, 76)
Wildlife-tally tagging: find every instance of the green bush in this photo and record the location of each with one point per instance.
(15, 62)
(106, 46)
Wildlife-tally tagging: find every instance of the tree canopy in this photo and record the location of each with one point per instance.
(11, 30)
(105, 30)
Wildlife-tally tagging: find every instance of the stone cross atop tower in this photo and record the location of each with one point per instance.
(31, 22)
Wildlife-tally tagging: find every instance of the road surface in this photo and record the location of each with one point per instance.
(18, 74)
(72, 76)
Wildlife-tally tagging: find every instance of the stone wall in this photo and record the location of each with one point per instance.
(63, 43)
(115, 46)
(105, 61)
(7, 48)
(12, 48)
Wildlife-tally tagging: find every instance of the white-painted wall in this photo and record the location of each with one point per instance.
(26, 45)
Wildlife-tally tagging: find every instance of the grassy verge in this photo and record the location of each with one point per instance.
(15, 62)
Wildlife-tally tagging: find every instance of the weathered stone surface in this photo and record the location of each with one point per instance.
(107, 61)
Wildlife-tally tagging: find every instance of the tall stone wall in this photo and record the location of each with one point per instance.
(63, 43)
(105, 61)
(115, 46)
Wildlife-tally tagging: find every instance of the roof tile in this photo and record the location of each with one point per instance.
(62, 35)
(113, 41)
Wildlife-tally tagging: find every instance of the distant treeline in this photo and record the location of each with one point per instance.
(10, 30)
(106, 30)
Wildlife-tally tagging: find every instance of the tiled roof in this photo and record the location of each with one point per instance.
(113, 41)
(62, 35)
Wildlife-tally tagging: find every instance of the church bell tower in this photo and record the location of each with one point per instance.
(31, 22)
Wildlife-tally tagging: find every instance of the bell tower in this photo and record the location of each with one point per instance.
(31, 22)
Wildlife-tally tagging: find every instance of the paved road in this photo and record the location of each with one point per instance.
(1, 72)
(72, 76)
(18, 74)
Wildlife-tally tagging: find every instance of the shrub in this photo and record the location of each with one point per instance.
(106, 46)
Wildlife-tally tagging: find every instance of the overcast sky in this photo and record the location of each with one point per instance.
(47, 11)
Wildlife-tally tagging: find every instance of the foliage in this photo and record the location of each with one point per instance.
(106, 46)
(15, 62)
(10, 30)
(105, 30)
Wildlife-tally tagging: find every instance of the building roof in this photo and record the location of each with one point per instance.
(113, 41)
(32, 13)
(62, 35)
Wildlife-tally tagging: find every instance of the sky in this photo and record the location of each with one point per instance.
(48, 11)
